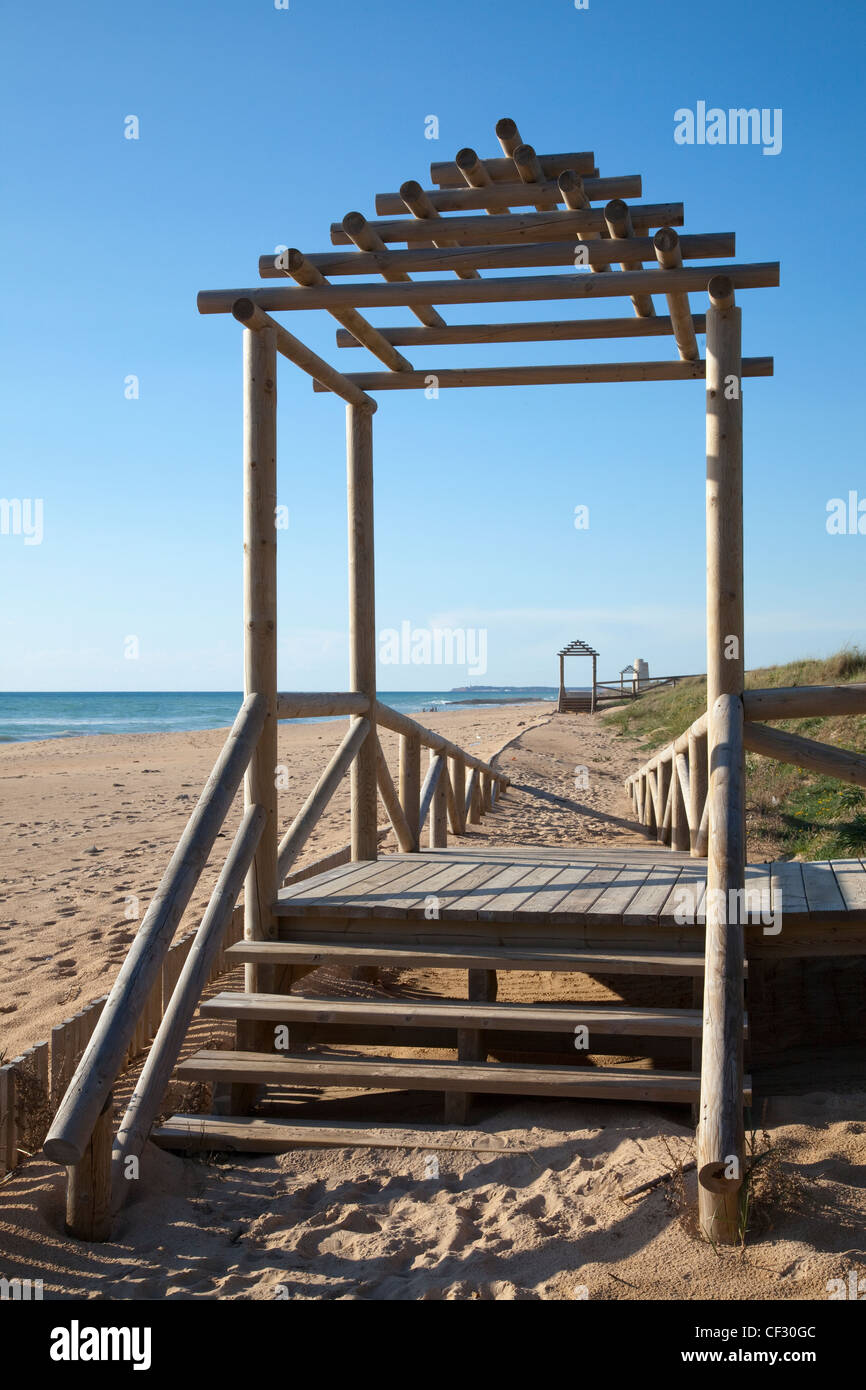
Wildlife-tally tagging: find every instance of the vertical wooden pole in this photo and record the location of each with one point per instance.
(260, 625)
(362, 620)
(410, 783)
(698, 787)
(458, 782)
(594, 676)
(471, 1045)
(439, 809)
(486, 781)
(561, 682)
(720, 1129)
(88, 1183)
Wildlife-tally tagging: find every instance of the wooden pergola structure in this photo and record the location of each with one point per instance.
(575, 702)
(483, 219)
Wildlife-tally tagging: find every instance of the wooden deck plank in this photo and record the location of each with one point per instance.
(410, 896)
(574, 907)
(509, 903)
(648, 901)
(540, 905)
(615, 899)
(822, 891)
(459, 901)
(787, 891)
(850, 875)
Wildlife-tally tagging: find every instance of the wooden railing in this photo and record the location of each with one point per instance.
(80, 1134)
(150, 998)
(446, 799)
(669, 792)
(692, 793)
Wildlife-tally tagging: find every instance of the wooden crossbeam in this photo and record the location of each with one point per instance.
(586, 373)
(359, 231)
(396, 265)
(254, 318)
(539, 331)
(514, 194)
(499, 290)
(470, 230)
(449, 173)
(293, 263)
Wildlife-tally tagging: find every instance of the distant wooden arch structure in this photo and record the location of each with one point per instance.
(577, 701)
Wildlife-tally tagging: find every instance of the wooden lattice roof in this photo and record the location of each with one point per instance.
(483, 217)
(578, 648)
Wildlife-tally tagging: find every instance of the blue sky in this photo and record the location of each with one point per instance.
(258, 127)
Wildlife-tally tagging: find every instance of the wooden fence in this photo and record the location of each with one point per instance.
(32, 1085)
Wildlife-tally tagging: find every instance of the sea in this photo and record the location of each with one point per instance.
(30, 715)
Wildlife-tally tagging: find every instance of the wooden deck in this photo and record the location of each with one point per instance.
(819, 905)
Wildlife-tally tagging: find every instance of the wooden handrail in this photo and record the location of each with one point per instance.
(401, 724)
(103, 1058)
(150, 1088)
(804, 701)
(806, 752)
(305, 704)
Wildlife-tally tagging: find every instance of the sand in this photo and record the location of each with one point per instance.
(88, 823)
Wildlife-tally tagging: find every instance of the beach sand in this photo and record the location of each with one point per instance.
(87, 828)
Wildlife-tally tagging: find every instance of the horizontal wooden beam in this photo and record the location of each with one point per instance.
(586, 373)
(542, 331)
(516, 226)
(805, 752)
(514, 194)
(501, 290)
(708, 246)
(305, 704)
(448, 174)
(326, 376)
(804, 701)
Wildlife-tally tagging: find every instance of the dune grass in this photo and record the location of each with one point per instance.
(790, 812)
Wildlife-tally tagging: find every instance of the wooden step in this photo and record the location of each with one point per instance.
(262, 1134)
(414, 957)
(489, 1078)
(601, 1019)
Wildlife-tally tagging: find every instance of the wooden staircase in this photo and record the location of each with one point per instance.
(487, 1035)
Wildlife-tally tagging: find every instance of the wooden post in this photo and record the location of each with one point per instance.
(457, 769)
(260, 628)
(679, 822)
(486, 801)
(594, 670)
(720, 1128)
(471, 1045)
(698, 787)
(410, 783)
(561, 682)
(362, 620)
(439, 809)
(88, 1183)
(720, 1131)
